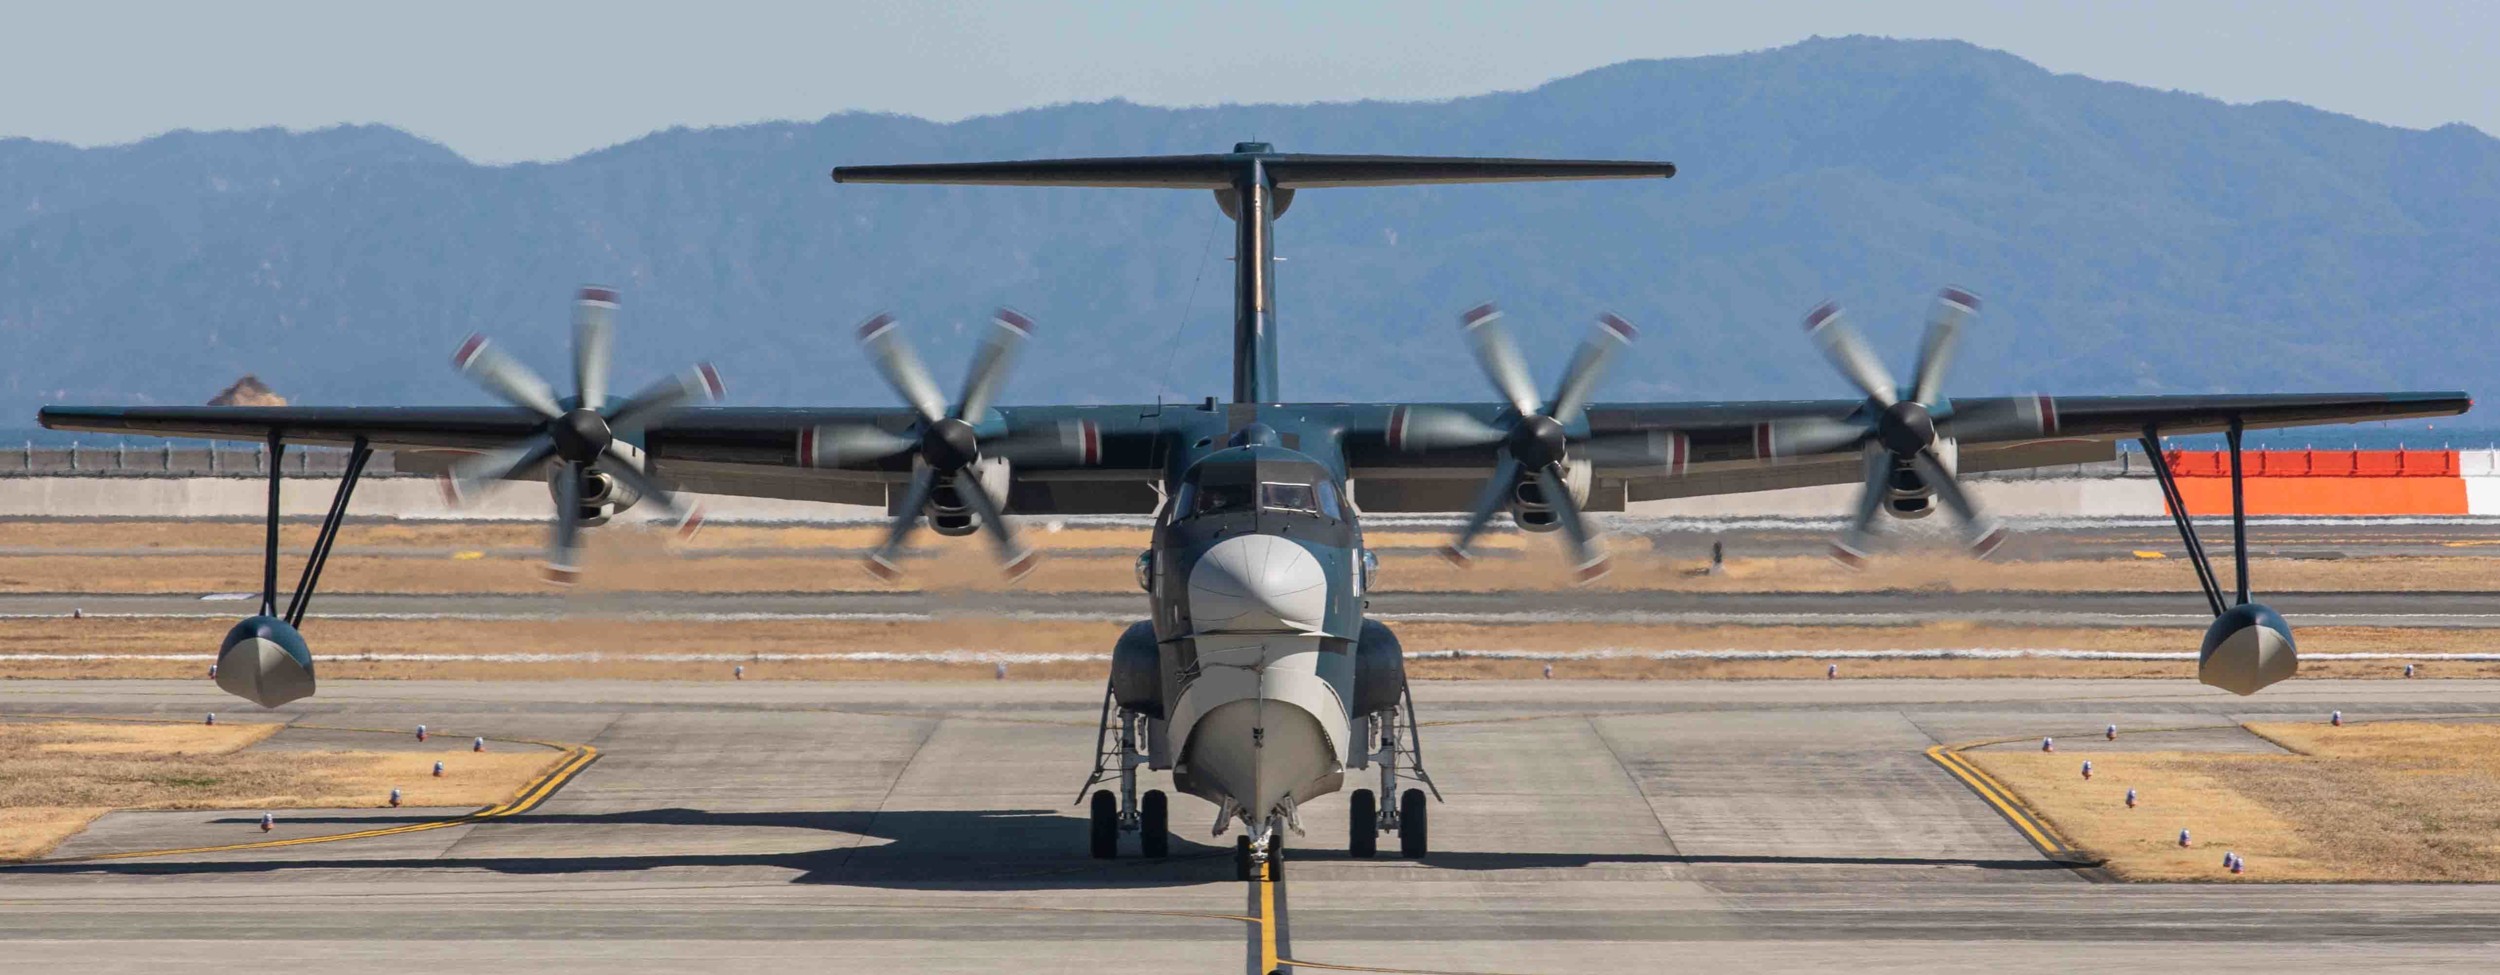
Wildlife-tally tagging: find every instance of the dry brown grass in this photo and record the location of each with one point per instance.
(634, 559)
(2382, 801)
(58, 776)
(357, 649)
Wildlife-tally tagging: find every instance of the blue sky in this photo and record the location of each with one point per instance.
(510, 81)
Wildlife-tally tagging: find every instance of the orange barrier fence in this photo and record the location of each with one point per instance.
(2317, 463)
(2324, 482)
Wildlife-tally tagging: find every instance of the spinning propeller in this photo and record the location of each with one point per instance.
(578, 433)
(949, 441)
(1532, 437)
(1894, 430)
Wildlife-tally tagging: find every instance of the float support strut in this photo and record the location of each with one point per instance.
(2187, 527)
(269, 553)
(302, 600)
(2239, 514)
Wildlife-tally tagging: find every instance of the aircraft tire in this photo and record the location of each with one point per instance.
(1154, 832)
(1106, 825)
(1363, 826)
(1413, 840)
(1241, 858)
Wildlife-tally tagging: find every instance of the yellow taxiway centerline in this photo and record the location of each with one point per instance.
(1267, 917)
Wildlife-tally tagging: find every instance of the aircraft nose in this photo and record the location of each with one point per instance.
(1257, 582)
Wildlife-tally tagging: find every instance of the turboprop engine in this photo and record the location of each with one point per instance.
(602, 496)
(951, 513)
(2247, 648)
(1534, 511)
(1907, 494)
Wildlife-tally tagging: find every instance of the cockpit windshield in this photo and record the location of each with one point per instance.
(1287, 497)
(1213, 498)
(1315, 497)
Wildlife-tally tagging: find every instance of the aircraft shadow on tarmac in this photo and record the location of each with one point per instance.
(922, 849)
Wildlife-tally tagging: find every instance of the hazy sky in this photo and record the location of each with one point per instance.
(512, 80)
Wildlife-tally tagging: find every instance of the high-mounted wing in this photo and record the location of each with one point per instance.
(741, 451)
(1649, 451)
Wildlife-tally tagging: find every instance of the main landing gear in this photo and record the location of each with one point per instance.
(1121, 749)
(1397, 739)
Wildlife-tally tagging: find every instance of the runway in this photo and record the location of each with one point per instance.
(1589, 827)
(1879, 608)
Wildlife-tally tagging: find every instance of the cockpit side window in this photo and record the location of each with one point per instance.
(1328, 504)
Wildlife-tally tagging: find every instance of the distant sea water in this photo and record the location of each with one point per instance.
(2418, 435)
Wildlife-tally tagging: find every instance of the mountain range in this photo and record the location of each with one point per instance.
(2126, 240)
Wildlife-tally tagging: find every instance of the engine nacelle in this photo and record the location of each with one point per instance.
(950, 514)
(1532, 511)
(264, 661)
(2247, 648)
(603, 496)
(1907, 495)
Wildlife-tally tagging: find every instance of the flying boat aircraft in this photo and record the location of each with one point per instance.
(1255, 679)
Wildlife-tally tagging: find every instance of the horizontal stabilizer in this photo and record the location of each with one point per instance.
(1284, 170)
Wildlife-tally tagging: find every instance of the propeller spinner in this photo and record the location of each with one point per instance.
(1896, 431)
(578, 435)
(1531, 438)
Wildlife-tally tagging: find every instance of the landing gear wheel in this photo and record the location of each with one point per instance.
(1411, 836)
(1154, 817)
(1276, 858)
(1241, 858)
(1363, 826)
(1106, 825)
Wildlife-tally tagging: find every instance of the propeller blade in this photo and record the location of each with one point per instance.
(1954, 309)
(901, 368)
(882, 563)
(1805, 436)
(1660, 452)
(1499, 356)
(625, 467)
(699, 383)
(1848, 352)
(1496, 490)
(564, 550)
(505, 377)
(849, 445)
(1984, 534)
(1013, 557)
(989, 365)
(1851, 547)
(594, 334)
(1611, 335)
(1066, 443)
(1588, 561)
(1990, 420)
(1415, 428)
(470, 476)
